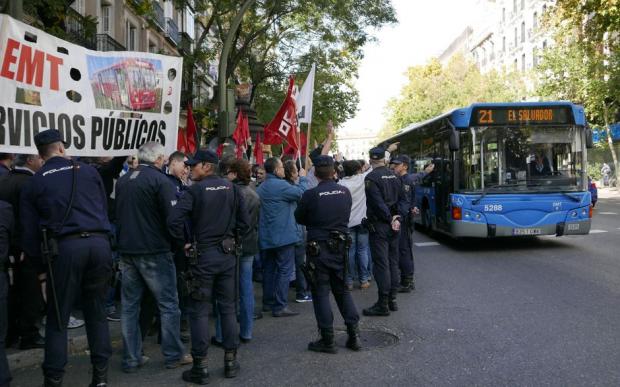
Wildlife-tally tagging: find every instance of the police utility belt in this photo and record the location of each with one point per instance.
(336, 243)
(226, 246)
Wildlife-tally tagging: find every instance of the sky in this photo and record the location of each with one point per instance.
(425, 29)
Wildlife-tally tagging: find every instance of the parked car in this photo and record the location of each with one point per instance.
(593, 190)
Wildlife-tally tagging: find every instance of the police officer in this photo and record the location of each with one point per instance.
(217, 212)
(66, 201)
(383, 191)
(406, 209)
(325, 211)
(6, 229)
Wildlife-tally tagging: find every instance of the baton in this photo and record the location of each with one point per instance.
(46, 254)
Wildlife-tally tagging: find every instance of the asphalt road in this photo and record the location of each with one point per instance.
(539, 311)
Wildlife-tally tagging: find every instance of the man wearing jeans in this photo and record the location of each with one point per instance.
(358, 253)
(278, 235)
(144, 198)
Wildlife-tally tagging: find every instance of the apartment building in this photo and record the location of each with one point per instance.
(508, 37)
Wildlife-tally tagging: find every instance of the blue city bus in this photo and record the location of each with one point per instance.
(502, 170)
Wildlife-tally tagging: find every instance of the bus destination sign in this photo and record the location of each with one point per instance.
(494, 116)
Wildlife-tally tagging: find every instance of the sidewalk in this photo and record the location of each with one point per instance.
(77, 344)
(608, 192)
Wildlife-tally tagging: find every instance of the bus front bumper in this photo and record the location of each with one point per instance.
(466, 229)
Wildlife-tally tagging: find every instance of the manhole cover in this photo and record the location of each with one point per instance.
(371, 338)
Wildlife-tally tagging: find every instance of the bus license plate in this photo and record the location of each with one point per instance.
(526, 231)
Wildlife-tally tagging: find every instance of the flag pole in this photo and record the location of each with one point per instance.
(308, 144)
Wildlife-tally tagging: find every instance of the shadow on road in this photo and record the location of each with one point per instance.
(496, 244)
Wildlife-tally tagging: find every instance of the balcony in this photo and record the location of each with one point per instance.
(158, 16)
(186, 43)
(78, 30)
(172, 31)
(106, 43)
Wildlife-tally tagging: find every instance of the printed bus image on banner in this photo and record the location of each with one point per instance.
(103, 103)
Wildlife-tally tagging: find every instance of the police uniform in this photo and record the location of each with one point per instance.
(6, 229)
(325, 211)
(216, 210)
(383, 191)
(83, 264)
(405, 206)
(25, 299)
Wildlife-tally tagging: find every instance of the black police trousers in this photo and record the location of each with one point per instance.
(329, 274)
(5, 375)
(405, 251)
(384, 251)
(214, 276)
(25, 300)
(82, 270)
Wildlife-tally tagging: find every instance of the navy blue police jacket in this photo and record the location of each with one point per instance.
(45, 198)
(10, 190)
(383, 192)
(407, 199)
(144, 199)
(6, 229)
(179, 187)
(215, 208)
(324, 208)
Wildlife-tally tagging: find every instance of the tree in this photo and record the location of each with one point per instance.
(434, 89)
(282, 37)
(584, 64)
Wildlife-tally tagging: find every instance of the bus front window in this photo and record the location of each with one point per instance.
(521, 159)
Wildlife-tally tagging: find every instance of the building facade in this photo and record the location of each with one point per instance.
(507, 38)
(354, 145)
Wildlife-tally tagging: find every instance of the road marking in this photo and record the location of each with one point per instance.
(426, 244)
(597, 231)
(608, 213)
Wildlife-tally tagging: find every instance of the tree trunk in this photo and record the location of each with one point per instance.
(610, 141)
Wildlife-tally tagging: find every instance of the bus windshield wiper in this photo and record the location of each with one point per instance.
(485, 191)
(572, 197)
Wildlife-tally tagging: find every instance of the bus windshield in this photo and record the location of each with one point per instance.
(523, 159)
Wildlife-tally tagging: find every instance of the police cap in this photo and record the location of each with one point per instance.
(323, 161)
(47, 137)
(401, 159)
(376, 153)
(203, 156)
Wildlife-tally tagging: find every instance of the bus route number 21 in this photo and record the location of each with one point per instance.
(485, 116)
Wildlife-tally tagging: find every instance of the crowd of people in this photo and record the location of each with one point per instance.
(177, 236)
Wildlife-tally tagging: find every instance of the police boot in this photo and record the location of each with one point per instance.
(49, 381)
(380, 308)
(231, 365)
(100, 376)
(325, 343)
(354, 342)
(406, 285)
(392, 302)
(198, 374)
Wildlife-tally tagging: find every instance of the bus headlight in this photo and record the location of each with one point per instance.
(457, 213)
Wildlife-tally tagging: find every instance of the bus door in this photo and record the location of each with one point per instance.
(443, 185)
(122, 82)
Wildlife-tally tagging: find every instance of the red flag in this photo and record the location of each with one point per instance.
(284, 124)
(239, 135)
(258, 151)
(190, 130)
(288, 150)
(182, 141)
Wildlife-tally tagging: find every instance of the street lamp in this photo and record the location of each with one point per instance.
(222, 78)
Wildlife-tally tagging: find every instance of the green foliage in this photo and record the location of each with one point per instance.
(434, 89)
(282, 37)
(584, 64)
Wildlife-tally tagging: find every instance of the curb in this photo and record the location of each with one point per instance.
(76, 345)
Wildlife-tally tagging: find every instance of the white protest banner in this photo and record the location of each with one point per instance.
(103, 103)
(304, 97)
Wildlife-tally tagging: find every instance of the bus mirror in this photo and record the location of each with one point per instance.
(589, 141)
(454, 140)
